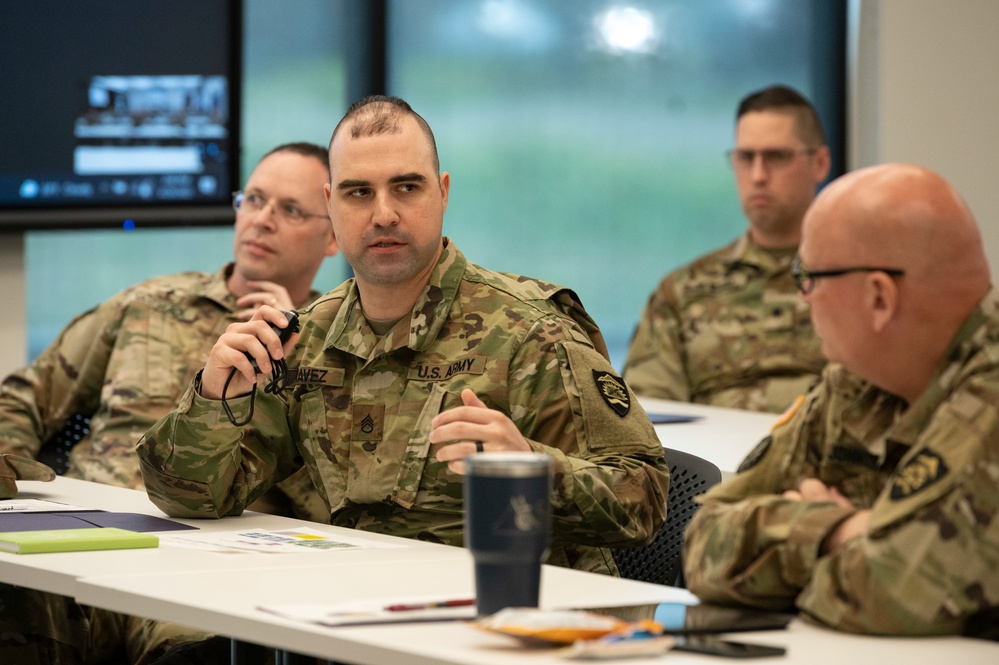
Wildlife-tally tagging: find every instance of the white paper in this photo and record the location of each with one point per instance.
(37, 506)
(262, 540)
(373, 610)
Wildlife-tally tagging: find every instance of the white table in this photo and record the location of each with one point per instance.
(221, 592)
(227, 601)
(58, 572)
(722, 436)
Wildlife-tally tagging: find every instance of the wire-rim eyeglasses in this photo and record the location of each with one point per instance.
(285, 210)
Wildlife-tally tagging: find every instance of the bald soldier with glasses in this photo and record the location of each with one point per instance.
(873, 505)
(729, 329)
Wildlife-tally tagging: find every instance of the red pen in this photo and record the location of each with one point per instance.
(461, 602)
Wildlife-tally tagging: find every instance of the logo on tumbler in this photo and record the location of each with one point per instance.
(519, 516)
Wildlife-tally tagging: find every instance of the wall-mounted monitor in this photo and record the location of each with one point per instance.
(118, 113)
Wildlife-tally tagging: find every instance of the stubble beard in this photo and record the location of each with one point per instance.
(395, 271)
(773, 222)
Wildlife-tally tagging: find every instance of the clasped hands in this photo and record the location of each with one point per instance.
(854, 526)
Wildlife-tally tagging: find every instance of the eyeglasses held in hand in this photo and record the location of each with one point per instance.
(804, 278)
(286, 211)
(774, 158)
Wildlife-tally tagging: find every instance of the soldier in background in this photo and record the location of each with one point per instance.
(127, 362)
(872, 507)
(420, 360)
(729, 329)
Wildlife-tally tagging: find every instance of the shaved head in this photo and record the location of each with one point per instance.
(907, 216)
(893, 330)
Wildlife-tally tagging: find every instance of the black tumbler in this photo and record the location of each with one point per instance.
(507, 527)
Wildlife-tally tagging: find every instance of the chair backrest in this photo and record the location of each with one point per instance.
(659, 561)
(55, 451)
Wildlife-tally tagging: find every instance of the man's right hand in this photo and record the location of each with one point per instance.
(254, 337)
(267, 293)
(855, 526)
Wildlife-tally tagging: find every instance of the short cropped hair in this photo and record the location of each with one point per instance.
(380, 114)
(782, 99)
(304, 149)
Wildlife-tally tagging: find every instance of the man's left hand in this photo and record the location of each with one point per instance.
(471, 424)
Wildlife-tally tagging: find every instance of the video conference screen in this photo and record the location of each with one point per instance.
(115, 112)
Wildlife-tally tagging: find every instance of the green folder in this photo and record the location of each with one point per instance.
(75, 540)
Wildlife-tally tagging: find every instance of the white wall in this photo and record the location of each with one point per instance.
(925, 88)
(13, 338)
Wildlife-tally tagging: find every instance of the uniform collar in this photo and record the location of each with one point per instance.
(214, 288)
(351, 333)
(968, 340)
(746, 252)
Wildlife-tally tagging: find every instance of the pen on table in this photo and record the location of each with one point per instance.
(460, 602)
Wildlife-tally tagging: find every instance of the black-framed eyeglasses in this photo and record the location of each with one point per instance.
(804, 278)
(286, 211)
(773, 158)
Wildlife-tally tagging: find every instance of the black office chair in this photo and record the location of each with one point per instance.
(660, 561)
(55, 451)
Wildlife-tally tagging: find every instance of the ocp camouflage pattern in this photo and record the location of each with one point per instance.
(930, 475)
(125, 363)
(728, 329)
(360, 412)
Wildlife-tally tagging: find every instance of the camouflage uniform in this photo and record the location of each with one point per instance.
(127, 362)
(358, 418)
(930, 475)
(729, 329)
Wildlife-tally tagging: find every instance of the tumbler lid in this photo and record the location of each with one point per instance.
(508, 465)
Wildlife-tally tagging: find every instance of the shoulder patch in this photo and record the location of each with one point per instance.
(918, 473)
(614, 392)
(755, 455)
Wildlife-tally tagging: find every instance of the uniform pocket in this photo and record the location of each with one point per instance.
(414, 461)
(324, 458)
(156, 354)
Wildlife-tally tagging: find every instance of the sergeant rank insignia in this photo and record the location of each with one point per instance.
(614, 392)
(918, 473)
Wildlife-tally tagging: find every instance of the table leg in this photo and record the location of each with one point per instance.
(245, 653)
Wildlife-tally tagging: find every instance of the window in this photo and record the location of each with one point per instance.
(585, 139)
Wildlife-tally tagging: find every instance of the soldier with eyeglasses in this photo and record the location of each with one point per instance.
(729, 329)
(873, 505)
